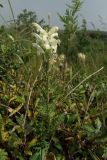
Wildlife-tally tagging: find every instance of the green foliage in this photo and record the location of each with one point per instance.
(46, 111)
(70, 23)
(24, 21)
(26, 17)
(3, 154)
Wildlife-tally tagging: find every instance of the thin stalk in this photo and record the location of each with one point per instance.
(29, 98)
(11, 9)
(3, 18)
(46, 78)
(84, 81)
(47, 86)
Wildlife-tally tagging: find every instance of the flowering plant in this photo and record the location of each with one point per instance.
(82, 57)
(46, 40)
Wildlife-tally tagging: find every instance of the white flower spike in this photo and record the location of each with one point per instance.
(46, 40)
(39, 28)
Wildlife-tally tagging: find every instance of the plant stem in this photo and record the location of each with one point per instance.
(11, 10)
(29, 98)
(84, 81)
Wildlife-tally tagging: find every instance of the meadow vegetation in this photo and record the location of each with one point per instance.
(53, 89)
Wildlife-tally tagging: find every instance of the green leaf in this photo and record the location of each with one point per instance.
(33, 142)
(93, 155)
(98, 124)
(20, 99)
(105, 153)
(14, 140)
(3, 155)
(1, 127)
(3, 48)
(89, 128)
(36, 156)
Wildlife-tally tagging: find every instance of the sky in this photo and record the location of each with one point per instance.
(94, 11)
